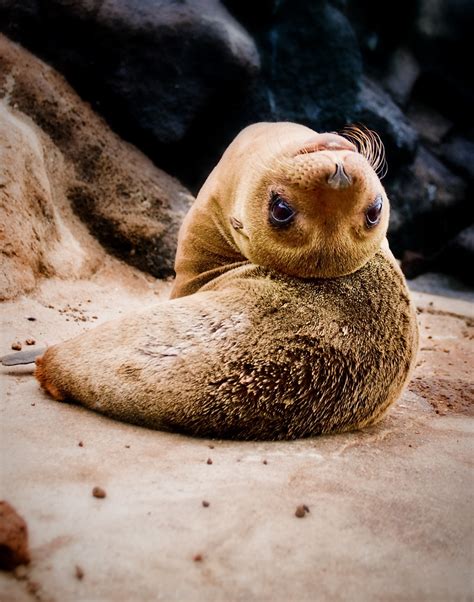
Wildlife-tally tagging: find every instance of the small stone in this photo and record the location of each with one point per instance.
(265, 462)
(31, 319)
(79, 573)
(30, 342)
(81, 444)
(205, 503)
(33, 587)
(21, 572)
(197, 558)
(301, 510)
(13, 538)
(16, 346)
(99, 492)
(209, 461)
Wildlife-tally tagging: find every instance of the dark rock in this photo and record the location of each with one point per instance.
(61, 154)
(455, 258)
(150, 65)
(381, 27)
(311, 68)
(13, 538)
(431, 125)
(459, 153)
(444, 44)
(403, 71)
(428, 205)
(378, 111)
(312, 65)
(252, 14)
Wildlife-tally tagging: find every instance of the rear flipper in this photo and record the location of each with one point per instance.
(46, 384)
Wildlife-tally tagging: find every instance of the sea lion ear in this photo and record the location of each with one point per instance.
(236, 223)
(327, 141)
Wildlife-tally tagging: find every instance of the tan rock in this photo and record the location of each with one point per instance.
(60, 163)
(13, 538)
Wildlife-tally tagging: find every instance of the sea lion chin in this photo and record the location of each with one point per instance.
(289, 316)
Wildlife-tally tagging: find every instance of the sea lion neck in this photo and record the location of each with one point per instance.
(206, 248)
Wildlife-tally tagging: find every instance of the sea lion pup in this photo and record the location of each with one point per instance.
(289, 316)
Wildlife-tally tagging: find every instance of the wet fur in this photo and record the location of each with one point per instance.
(241, 350)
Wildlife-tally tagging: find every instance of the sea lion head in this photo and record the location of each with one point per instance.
(310, 205)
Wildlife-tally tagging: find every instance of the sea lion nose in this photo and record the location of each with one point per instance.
(339, 179)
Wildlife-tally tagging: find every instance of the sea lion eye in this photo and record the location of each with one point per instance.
(374, 212)
(281, 213)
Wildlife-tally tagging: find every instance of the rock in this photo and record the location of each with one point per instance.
(150, 66)
(459, 154)
(431, 125)
(428, 205)
(253, 15)
(66, 162)
(403, 71)
(13, 538)
(457, 257)
(443, 42)
(312, 65)
(381, 26)
(378, 111)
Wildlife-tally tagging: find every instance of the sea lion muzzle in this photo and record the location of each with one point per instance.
(339, 179)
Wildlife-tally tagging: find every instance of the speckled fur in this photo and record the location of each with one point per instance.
(245, 351)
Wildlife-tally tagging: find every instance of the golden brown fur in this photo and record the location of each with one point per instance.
(272, 332)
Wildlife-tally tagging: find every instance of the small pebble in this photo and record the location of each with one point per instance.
(79, 572)
(265, 462)
(98, 492)
(16, 346)
(205, 503)
(31, 319)
(30, 342)
(301, 510)
(209, 461)
(21, 572)
(211, 447)
(33, 587)
(197, 558)
(127, 446)
(81, 444)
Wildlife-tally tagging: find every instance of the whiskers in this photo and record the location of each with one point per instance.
(369, 145)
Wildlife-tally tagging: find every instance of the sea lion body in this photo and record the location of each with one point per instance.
(246, 348)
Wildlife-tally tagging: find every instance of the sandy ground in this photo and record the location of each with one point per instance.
(390, 508)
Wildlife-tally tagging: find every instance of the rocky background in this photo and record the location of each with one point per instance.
(179, 78)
